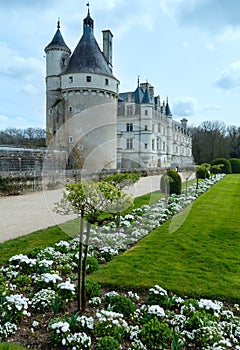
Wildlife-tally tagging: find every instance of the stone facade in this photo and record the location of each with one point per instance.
(81, 105)
(148, 137)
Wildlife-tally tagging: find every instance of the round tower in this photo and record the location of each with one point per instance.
(90, 92)
(57, 57)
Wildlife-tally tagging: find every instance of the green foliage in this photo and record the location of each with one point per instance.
(7, 346)
(226, 168)
(93, 289)
(122, 180)
(156, 335)
(235, 164)
(200, 319)
(121, 304)
(92, 264)
(108, 343)
(107, 328)
(171, 182)
(202, 172)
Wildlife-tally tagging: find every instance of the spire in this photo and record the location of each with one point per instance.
(88, 21)
(138, 93)
(57, 41)
(168, 111)
(146, 96)
(87, 56)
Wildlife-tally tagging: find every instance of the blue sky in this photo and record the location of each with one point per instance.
(189, 50)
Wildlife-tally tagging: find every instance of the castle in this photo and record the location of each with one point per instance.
(98, 127)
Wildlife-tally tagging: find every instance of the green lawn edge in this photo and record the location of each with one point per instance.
(200, 258)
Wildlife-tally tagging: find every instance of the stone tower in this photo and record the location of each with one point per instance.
(82, 95)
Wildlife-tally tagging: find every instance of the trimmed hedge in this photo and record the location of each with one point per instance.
(174, 184)
(202, 172)
(235, 164)
(226, 169)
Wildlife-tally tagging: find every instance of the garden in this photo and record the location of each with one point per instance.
(136, 298)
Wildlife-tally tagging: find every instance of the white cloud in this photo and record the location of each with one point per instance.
(16, 66)
(185, 106)
(229, 79)
(216, 16)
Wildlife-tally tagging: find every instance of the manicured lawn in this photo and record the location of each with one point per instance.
(198, 258)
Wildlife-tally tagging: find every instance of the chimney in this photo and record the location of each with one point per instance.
(184, 123)
(107, 46)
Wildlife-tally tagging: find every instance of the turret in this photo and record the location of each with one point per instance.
(57, 54)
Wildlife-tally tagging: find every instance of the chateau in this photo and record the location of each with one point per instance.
(98, 127)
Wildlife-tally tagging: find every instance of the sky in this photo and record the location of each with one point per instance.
(189, 50)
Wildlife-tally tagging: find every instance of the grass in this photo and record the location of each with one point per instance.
(7, 346)
(194, 254)
(49, 236)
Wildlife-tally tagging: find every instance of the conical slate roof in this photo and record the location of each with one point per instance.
(87, 56)
(146, 96)
(57, 41)
(168, 111)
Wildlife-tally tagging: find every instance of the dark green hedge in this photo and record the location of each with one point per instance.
(202, 172)
(172, 180)
(226, 169)
(235, 164)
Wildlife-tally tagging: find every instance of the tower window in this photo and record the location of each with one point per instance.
(70, 79)
(145, 145)
(70, 108)
(70, 139)
(88, 78)
(106, 81)
(145, 127)
(146, 112)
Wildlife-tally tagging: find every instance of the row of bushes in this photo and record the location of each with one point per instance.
(219, 165)
(171, 181)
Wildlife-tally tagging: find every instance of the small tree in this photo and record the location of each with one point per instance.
(235, 164)
(88, 200)
(121, 181)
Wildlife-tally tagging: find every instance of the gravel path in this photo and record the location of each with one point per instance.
(23, 214)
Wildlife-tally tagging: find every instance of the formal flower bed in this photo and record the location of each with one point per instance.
(38, 307)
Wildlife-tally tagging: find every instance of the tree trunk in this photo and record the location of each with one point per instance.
(84, 267)
(79, 297)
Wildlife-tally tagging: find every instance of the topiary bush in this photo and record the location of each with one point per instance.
(226, 169)
(171, 182)
(202, 172)
(235, 164)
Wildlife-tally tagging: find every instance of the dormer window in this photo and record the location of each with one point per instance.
(88, 78)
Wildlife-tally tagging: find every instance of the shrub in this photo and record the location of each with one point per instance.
(226, 169)
(108, 343)
(122, 305)
(235, 164)
(202, 172)
(156, 335)
(92, 264)
(92, 289)
(172, 180)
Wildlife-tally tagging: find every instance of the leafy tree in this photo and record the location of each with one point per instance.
(121, 181)
(88, 200)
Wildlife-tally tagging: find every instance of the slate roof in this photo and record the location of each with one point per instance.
(146, 97)
(87, 56)
(57, 41)
(168, 111)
